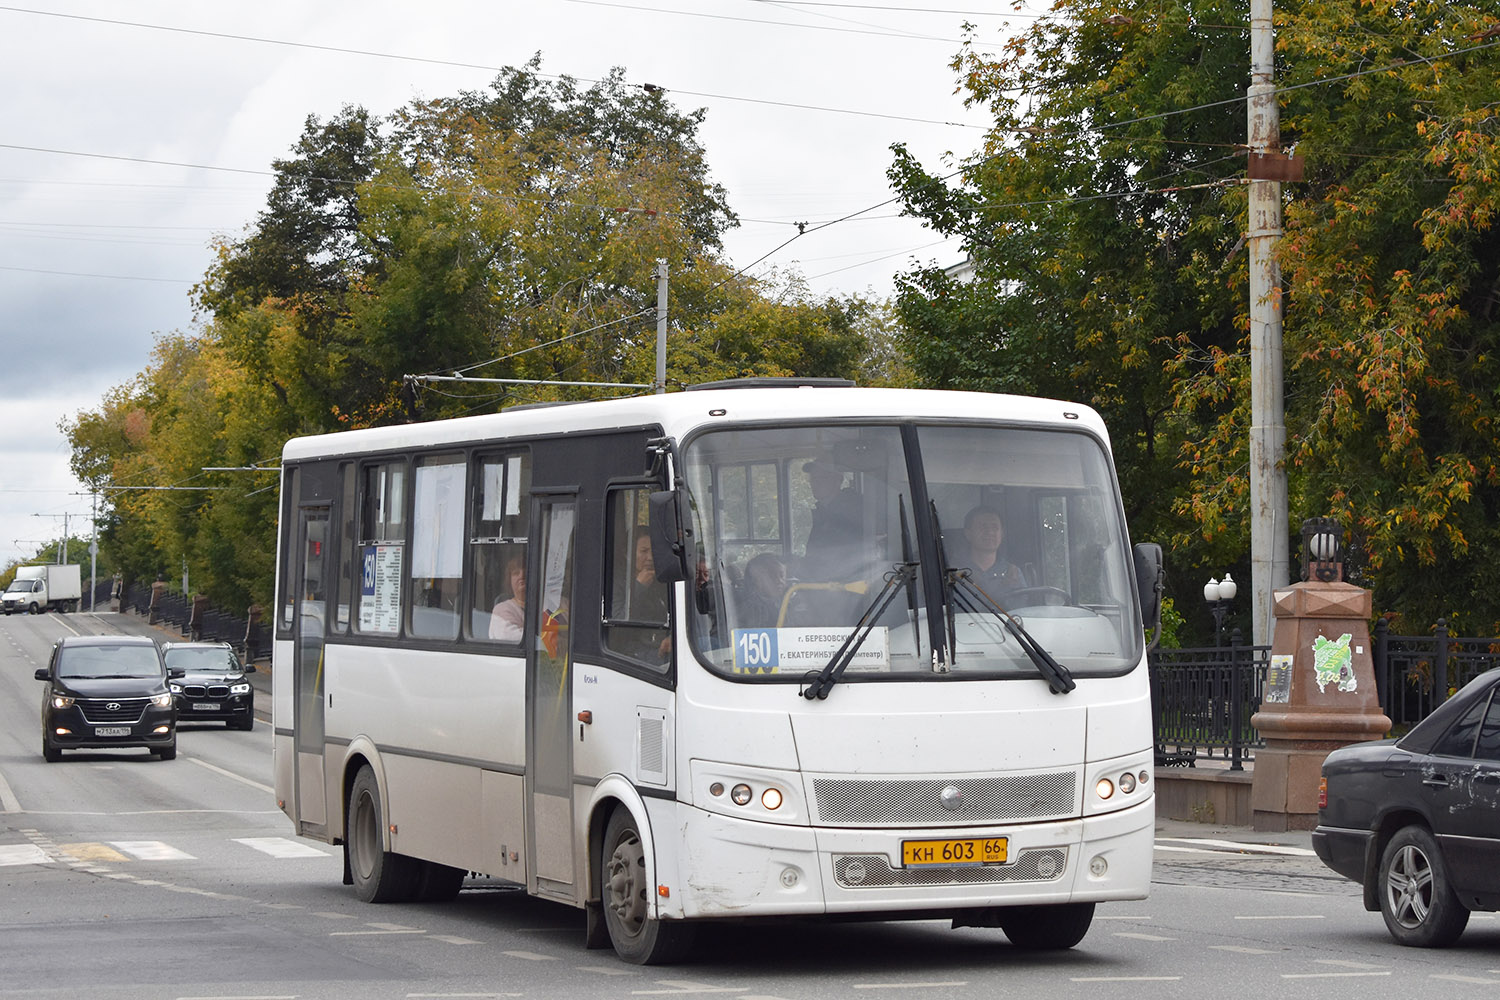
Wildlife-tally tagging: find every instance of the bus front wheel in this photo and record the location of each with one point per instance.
(637, 937)
(1047, 928)
(380, 876)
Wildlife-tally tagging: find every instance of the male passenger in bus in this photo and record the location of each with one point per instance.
(761, 593)
(984, 533)
(508, 617)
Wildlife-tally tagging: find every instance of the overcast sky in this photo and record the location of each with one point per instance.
(114, 109)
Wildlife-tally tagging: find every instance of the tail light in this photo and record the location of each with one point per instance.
(1322, 793)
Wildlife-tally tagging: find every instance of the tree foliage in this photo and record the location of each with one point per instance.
(1105, 216)
(508, 233)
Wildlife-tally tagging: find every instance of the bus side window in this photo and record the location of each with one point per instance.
(497, 546)
(637, 624)
(437, 546)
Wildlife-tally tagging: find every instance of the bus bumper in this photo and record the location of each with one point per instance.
(737, 868)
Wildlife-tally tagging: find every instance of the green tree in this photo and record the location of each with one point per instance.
(1105, 216)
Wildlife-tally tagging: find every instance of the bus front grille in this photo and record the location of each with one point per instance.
(910, 802)
(873, 871)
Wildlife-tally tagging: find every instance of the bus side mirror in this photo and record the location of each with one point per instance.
(667, 549)
(1149, 584)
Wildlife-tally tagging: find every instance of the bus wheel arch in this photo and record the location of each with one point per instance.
(623, 904)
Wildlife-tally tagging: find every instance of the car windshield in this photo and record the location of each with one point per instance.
(19, 587)
(124, 660)
(1011, 544)
(203, 659)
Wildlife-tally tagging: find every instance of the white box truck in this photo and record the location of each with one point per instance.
(38, 588)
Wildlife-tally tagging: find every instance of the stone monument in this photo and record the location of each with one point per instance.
(1320, 689)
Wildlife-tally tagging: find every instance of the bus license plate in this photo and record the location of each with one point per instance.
(205, 706)
(112, 731)
(953, 853)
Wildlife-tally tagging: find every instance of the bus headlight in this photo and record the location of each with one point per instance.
(771, 798)
(740, 794)
(1105, 788)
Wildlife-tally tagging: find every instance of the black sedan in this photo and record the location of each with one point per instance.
(1416, 821)
(213, 685)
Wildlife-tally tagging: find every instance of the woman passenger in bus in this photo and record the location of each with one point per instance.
(508, 617)
(648, 601)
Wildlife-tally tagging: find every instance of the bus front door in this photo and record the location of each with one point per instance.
(549, 745)
(311, 611)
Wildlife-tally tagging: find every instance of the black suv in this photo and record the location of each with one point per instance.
(105, 692)
(213, 683)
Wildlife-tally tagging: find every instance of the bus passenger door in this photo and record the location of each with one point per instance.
(311, 610)
(549, 745)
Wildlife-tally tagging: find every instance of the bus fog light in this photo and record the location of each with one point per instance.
(1098, 866)
(1145, 776)
(716, 789)
(1105, 788)
(1127, 782)
(740, 794)
(790, 877)
(771, 798)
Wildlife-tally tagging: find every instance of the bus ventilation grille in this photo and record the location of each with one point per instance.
(905, 802)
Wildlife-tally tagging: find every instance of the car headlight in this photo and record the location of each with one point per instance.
(176, 688)
(61, 701)
(162, 700)
(239, 688)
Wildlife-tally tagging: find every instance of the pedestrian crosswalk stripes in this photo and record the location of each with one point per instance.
(122, 851)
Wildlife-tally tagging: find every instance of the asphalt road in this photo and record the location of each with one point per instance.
(122, 876)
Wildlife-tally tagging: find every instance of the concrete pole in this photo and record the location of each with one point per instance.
(661, 326)
(1268, 492)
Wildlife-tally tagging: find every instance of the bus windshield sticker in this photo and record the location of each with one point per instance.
(771, 650)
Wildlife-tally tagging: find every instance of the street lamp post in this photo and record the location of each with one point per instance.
(1220, 595)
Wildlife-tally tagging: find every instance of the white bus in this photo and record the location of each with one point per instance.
(741, 651)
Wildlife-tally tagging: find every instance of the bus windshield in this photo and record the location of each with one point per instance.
(1012, 535)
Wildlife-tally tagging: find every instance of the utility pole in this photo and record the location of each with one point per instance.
(1268, 492)
(661, 326)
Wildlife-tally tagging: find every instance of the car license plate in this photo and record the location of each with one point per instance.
(953, 853)
(112, 731)
(205, 706)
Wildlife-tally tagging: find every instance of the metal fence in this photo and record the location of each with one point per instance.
(197, 620)
(1202, 699)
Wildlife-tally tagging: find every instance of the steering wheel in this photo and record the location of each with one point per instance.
(1054, 596)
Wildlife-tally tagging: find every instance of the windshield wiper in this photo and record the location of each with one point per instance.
(1059, 679)
(820, 682)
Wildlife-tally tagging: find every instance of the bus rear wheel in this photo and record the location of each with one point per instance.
(1047, 928)
(380, 876)
(637, 937)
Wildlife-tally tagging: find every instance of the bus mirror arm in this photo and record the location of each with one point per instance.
(668, 550)
(1149, 583)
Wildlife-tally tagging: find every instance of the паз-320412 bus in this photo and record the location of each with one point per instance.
(736, 652)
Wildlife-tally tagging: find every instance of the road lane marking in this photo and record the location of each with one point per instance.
(1142, 937)
(1125, 979)
(24, 854)
(451, 939)
(1455, 978)
(1240, 949)
(1331, 975)
(531, 956)
(1231, 845)
(911, 986)
(91, 852)
(230, 774)
(8, 801)
(281, 847)
(1279, 916)
(152, 850)
(605, 970)
(1343, 963)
